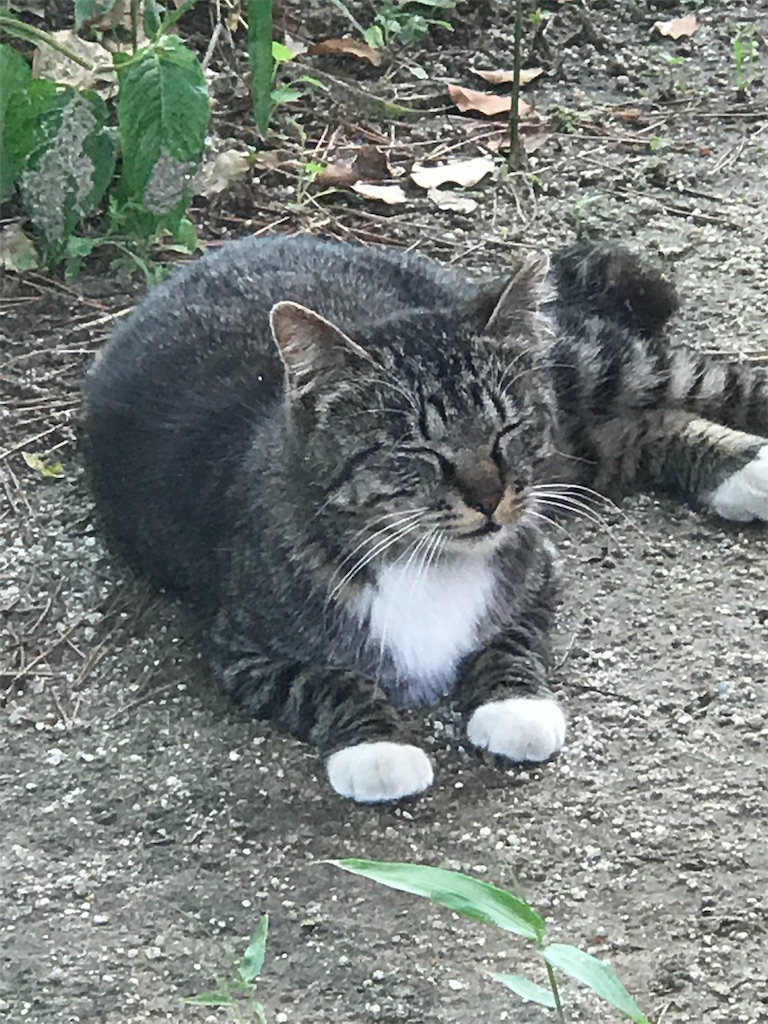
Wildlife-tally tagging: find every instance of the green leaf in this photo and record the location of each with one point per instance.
(91, 10)
(285, 94)
(258, 1009)
(250, 966)
(186, 235)
(461, 893)
(15, 76)
(280, 53)
(595, 974)
(216, 998)
(527, 990)
(75, 252)
(163, 113)
(153, 20)
(261, 61)
(68, 172)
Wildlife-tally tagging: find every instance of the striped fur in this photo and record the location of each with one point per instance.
(344, 460)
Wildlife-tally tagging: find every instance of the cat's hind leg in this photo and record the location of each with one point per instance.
(710, 465)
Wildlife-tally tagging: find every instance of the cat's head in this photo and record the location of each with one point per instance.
(424, 437)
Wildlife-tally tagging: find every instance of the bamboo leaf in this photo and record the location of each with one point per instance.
(595, 974)
(250, 966)
(458, 892)
(527, 990)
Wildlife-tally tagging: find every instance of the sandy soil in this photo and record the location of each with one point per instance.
(145, 826)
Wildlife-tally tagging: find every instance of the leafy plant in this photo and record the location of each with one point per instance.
(241, 988)
(482, 902)
(401, 21)
(265, 57)
(59, 145)
(745, 57)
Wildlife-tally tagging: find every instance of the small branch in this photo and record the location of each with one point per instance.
(516, 159)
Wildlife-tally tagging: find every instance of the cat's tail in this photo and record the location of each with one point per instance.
(608, 280)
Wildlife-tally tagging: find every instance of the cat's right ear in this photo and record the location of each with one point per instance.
(310, 346)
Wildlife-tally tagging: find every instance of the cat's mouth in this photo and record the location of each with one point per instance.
(486, 530)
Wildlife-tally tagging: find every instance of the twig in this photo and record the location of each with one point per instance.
(516, 158)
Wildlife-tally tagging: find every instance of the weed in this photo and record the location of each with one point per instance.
(60, 146)
(240, 990)
(399, 21)
(482, 902)
(745, 57)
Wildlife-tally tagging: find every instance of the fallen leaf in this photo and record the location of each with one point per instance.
(462, 172)
(452, 201)
(221, 171)
(676, 28)
(485, 102)
(347, 47)
(389, 194)
(632, 115)
(42, 465)
(501, 77)
(16, 250)
(49, 63)
(369, 164)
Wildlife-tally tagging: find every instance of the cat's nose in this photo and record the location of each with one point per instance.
(487, 503)
(479, 482)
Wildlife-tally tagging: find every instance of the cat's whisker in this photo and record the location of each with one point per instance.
(546, 519)
(577, 509)
(379, 549)
(587, 493)
(400, 516)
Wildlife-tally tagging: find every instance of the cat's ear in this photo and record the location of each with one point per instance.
(310, 346)
(508, 308)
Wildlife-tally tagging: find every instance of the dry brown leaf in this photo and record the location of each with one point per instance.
(225, 168)
(676, 28)
(369, 164)
(347, 47)
(501, 77)
(452, 201)
(389, 194)
(485, 102)
(462, 172)
(49, 63)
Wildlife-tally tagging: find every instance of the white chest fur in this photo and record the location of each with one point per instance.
(428, 621)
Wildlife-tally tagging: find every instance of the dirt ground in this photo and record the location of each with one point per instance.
(145, 827)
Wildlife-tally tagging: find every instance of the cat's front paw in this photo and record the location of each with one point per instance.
(524, 729)
(374, 772)
(743, 495)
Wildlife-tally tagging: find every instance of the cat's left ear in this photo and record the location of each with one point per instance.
(310, 346)
(508, 308)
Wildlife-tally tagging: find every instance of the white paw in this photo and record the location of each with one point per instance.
(744, 495)
(373, 772)
(520, 728)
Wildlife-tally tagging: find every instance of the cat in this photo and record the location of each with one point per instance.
(343, 460)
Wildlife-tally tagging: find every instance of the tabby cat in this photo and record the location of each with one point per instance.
(344, 459)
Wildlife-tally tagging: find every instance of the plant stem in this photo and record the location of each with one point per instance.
(516, 159)
(261, 62)
(15, 27)
(555, 992)
(135, 25)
